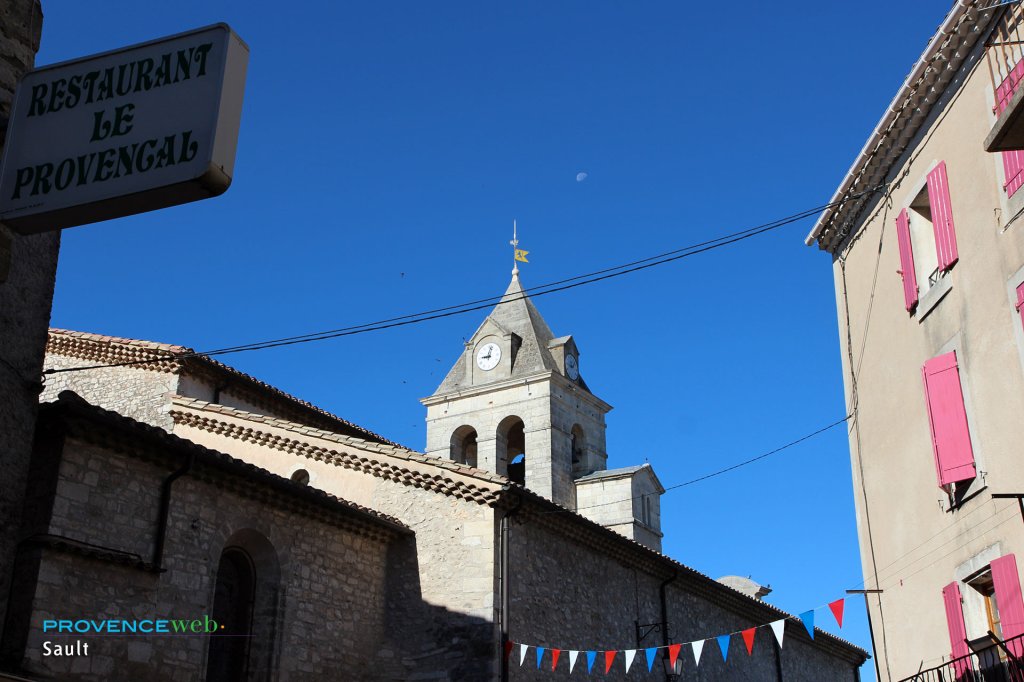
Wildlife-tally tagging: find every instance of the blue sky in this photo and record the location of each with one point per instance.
(385, 150)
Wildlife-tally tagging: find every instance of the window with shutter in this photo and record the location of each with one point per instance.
(947, 418)
(1006, 583)
(942, 217)
(927, 238)
(1020, 301)
(1013, 161)
(907, 271)
(956, 626)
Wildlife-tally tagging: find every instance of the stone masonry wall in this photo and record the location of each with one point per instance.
(441, 584)
(142, 394)
(330, 613)
(568, 595)
(27, 270)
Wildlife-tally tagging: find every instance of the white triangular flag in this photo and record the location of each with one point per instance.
(573, 655)
(779, 627)
(698, 647)
(630, 653)
(522, 652)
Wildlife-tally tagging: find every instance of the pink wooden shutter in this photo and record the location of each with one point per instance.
(942, 217)
(1020, 301)
(1009, 600)
(906, 260)
(951, 440)
(957, 629)
(1013, 162)
(1009, 86)
(1013, 171)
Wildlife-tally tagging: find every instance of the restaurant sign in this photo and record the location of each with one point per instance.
(123, 132)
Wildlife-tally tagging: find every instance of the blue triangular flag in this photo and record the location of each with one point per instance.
(540, 655)
(591, 656)
(649, 655)
(808, 618)
(723, 644)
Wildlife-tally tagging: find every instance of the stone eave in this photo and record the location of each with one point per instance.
(937, 67)
(86, 422)
(391, 463)
(625, 472)
(172, 359)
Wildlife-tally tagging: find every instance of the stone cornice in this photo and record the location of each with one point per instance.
(540, 377)
(90, 424)
(191, 413)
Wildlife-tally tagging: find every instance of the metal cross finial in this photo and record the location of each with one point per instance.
(515, 246)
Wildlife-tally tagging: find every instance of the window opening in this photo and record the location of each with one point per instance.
(233, 599)
(464, 446)
(578, 448)
(922, 234)
(517, 469)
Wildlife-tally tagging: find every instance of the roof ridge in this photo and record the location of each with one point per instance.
(216, 365)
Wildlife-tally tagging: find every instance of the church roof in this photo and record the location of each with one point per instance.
(622, 472)
(165, 357)
(515, 313)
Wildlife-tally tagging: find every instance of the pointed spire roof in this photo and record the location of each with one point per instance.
(515, 313)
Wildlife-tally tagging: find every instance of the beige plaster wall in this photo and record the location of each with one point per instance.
(911, 542)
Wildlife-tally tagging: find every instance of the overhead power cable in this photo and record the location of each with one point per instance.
(480, 304)
(715, 473)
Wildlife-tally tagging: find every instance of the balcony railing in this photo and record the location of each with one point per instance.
(1004, 52)
(1001, 661)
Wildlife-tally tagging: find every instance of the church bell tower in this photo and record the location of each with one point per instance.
(515, 403)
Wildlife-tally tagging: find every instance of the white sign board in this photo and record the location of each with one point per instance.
(127, 131)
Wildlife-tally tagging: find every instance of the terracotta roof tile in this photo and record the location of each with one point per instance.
(103, 349)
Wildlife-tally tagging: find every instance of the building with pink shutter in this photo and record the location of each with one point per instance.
(926, 234)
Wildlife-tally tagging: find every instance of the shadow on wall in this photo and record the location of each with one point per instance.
(431, 641)
(304, 586)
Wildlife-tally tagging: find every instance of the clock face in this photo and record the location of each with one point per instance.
(487, 356)
(572, 368)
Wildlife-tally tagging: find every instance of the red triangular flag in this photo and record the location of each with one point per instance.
(609, 658)
(508, 647)
(837, 610)
(555, 653)
(673, 654)
(748, 639)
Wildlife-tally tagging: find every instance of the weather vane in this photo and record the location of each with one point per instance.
(517, 253)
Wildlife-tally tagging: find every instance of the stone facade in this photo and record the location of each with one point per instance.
(947, 532)
(94, 515)
(444, 610)
(572, 590)
(571, 580)
(136, 392)
(27, 270)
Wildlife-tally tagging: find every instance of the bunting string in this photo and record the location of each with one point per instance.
(671, 652)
